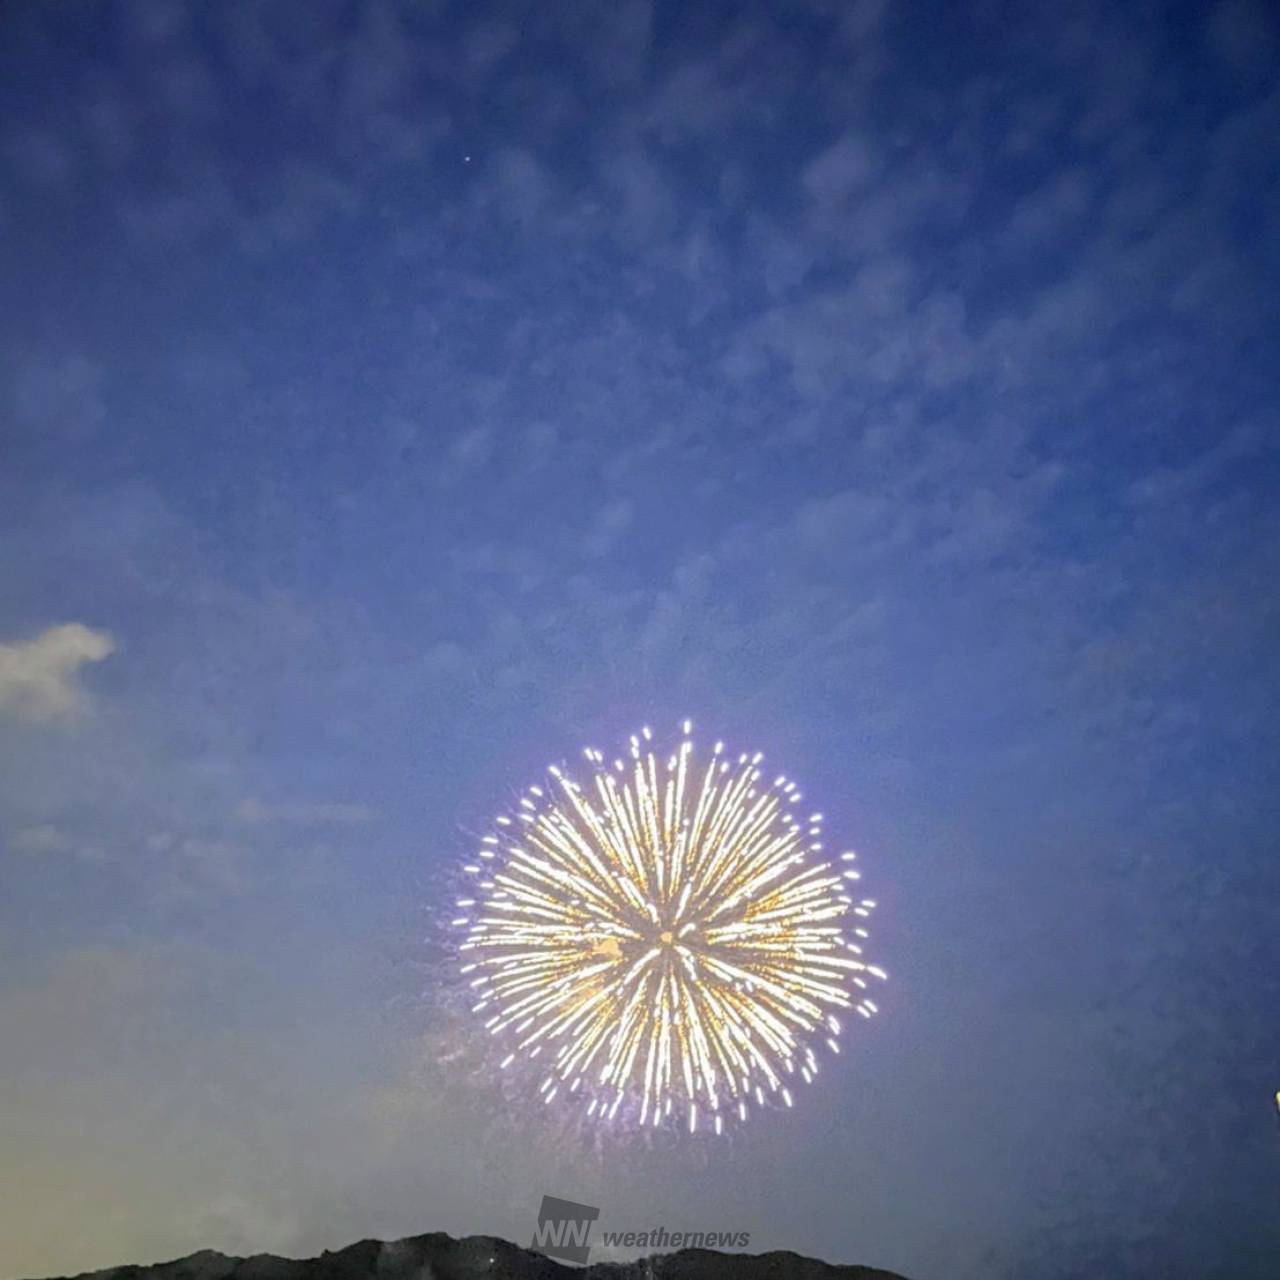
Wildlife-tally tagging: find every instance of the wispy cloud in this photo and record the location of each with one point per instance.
(252, 810)
(41, 840)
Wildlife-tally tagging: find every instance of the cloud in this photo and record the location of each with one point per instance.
(252, 810)
(59, 395)
(194, 865)
(612, 522)
(840, 170)
(48, 840)
(40, 840)
(953, 467)
(39, 677)
(472, 448)
(1245, 36)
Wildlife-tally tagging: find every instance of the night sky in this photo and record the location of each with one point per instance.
(396, 396)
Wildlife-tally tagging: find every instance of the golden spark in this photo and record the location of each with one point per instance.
(666, 938)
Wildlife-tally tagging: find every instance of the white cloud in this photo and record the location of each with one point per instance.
(39, 678)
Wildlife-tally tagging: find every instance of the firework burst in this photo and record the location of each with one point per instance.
(666, 938)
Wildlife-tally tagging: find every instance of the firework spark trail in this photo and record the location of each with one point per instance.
(668, 936)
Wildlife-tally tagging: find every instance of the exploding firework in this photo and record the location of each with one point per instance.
(666, 938)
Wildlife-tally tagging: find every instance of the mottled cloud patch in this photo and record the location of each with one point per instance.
(40, 678)
(60, 396)
(253, 810)
(41, 840)
(612, 522)
(51, 841)
(198, 865)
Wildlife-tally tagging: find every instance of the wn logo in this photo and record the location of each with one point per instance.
(564, 1229)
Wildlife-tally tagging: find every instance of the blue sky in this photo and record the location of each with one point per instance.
(395, 397)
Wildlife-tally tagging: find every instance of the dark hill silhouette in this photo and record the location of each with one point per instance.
(441, 1257)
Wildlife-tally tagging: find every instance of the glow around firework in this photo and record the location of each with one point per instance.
(668, 937)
